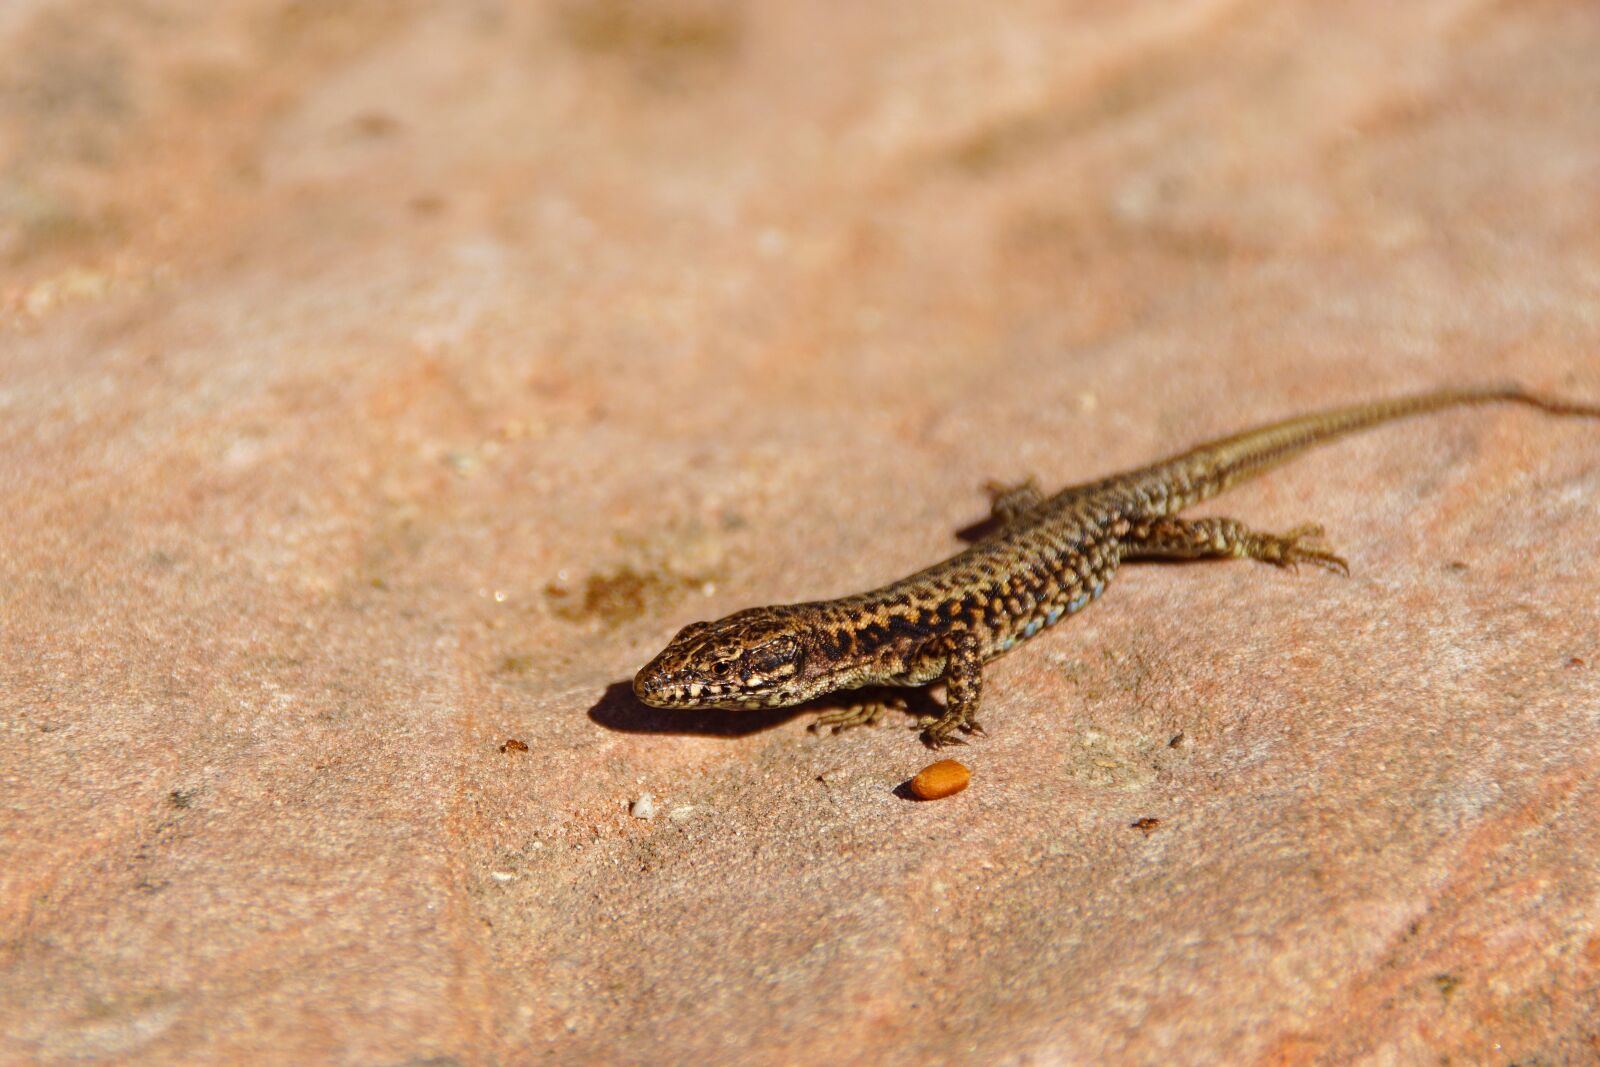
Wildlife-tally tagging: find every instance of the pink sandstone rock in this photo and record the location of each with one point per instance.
(380, 383)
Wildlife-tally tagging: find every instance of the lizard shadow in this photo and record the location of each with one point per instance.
(974, 532)
(618, 709)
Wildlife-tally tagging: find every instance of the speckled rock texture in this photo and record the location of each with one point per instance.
(383, 382)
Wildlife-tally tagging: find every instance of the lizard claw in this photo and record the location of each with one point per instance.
(941, 732)
(1303, 545)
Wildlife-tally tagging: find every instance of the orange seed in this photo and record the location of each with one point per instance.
(939, 780)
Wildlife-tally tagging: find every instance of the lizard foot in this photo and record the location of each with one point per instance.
(866, 713)
(1009, 501)
(1303, 544)
(941, 732)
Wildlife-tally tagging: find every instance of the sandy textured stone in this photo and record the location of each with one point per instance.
(383, 381)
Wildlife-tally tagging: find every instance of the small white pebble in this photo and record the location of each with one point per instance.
(502, 876)
(771, 242)
(681, 813)
(644, 807)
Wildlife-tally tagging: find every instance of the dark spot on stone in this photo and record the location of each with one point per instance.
(428, 205)
(376, 124)
(618, 596)
(666, 45)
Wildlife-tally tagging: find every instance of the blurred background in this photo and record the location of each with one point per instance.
(382, 381)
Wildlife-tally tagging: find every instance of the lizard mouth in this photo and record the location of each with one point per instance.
(662, 688)
(665, 688)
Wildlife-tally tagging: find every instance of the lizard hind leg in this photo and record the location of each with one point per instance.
(1009, 502)
(1222, 538)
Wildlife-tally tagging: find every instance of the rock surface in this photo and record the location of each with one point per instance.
(384, 382)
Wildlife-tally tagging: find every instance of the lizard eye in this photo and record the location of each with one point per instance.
(722, 668)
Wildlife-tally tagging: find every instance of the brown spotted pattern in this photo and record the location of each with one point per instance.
(1047, 559)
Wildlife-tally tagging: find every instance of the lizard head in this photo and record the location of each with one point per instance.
(751, 659)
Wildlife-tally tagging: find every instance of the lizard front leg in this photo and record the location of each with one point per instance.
(963, 679)
(862, 713)
(1221, 538)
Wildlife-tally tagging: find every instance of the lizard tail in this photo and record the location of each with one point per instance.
(1216, 465)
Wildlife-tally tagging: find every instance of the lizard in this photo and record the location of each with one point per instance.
(1044, 560)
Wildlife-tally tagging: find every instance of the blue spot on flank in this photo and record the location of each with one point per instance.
(1031, 629)
(1097, 589)
(1050, 619)
(1008, 644)
(1078, 602)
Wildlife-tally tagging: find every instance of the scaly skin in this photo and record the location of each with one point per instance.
(1048, 559)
